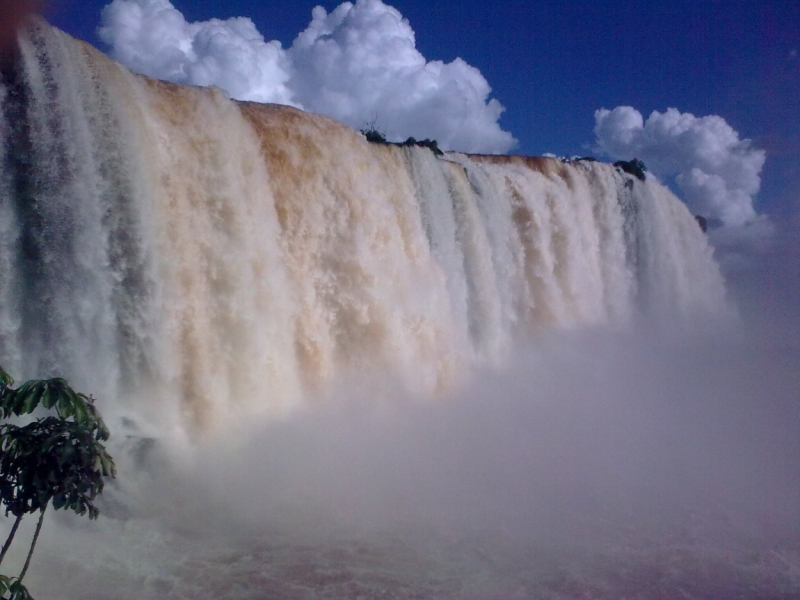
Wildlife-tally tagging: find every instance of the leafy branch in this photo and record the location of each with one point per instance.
(59, 458)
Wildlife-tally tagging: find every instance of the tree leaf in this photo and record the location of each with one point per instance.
(64, 405)
(19, 591)
(81, 415)
(56, 458)
(17, 398)
(49, 397)
(8, 381)
(4, 584)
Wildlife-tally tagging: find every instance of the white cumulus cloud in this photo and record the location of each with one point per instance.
(718, 173)
(153, 38)
(358, 64)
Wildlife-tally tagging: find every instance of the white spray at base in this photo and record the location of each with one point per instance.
(167, 245)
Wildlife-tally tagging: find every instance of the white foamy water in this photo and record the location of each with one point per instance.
(167, 241)
(302, 344)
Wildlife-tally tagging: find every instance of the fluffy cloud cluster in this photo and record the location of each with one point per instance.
(718, 173)
(152, 37)
(358, 64)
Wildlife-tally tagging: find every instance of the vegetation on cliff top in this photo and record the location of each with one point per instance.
(374, 136)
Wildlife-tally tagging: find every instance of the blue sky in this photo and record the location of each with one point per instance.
(552, 64)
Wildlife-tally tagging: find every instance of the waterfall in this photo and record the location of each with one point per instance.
(238, 284)
(168, 247)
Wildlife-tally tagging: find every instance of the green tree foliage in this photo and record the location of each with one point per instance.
(14, 588)
(59, 457)
(374, 136)
(372, 133)
(432, 145)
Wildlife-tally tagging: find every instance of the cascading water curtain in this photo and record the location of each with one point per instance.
(169, 247)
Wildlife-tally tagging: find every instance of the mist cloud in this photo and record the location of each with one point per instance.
(718, 173)
(677, 456)
(358, 64)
